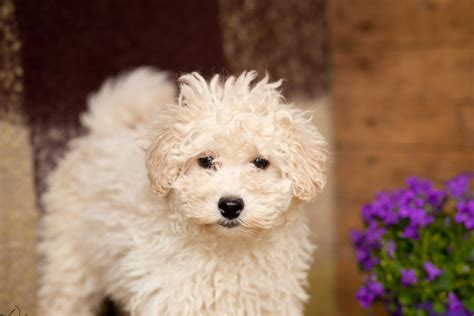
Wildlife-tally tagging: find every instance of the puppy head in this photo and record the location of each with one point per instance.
(231, 155)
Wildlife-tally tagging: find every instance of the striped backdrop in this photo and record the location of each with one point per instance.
(52, 55)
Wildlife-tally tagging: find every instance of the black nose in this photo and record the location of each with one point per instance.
(230, 207)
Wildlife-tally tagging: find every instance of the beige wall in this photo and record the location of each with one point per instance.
(18, 213)
(322, 218)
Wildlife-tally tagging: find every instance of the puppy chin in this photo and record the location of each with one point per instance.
(227, 229)
(230, 224)
(235, 233)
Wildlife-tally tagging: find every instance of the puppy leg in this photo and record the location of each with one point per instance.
(67, 285)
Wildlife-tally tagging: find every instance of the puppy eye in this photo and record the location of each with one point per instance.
(206, 162)
(260, 163)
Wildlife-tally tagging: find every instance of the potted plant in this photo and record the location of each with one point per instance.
(417, 249)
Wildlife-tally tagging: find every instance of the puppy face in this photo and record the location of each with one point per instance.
(231, 156)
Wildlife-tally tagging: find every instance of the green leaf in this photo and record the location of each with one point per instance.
(392, 307)
(421, 312)
(409, 311)
(443, 282)
(439, 308)
(460, 268)
(469, 303)
(405, 299)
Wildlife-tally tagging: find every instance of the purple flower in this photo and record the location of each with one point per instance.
(369, 292)
(362, 254)
(418, 186)
(436, 198)
(405, 197)
(459, 185)
(364, 297)
(357, 237)
(391, 248)
(389, 217)
(455, 307)
(365, 243)
(370, 263)
(368, 213)
(465, 214)
(376, 288)
(365, 259)
(456, 313)
(382, 208)
(374, 234)
(432, 271)
(419, 217)
(408, 277)
(411, 232)
(404, 212)
(454, 304)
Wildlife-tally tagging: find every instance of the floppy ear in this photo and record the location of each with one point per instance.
(305, 157)
(162, 158)
(171, 139)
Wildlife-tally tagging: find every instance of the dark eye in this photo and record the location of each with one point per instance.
(261, 163)
(206, 162)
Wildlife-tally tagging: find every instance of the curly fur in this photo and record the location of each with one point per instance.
(131, 215)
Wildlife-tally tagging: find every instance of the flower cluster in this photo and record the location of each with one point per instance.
(418, 249)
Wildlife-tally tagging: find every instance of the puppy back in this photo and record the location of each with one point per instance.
(128, 100)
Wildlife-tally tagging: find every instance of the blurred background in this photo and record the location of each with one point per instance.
(391, 82)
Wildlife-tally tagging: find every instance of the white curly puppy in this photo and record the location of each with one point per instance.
(193, 212)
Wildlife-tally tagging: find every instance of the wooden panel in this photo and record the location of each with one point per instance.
(444, 74)
(403, 102)
(467, 118)
(399, 119)
(348, 211)
(359, 174)
(362, 23)
(350, 281)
